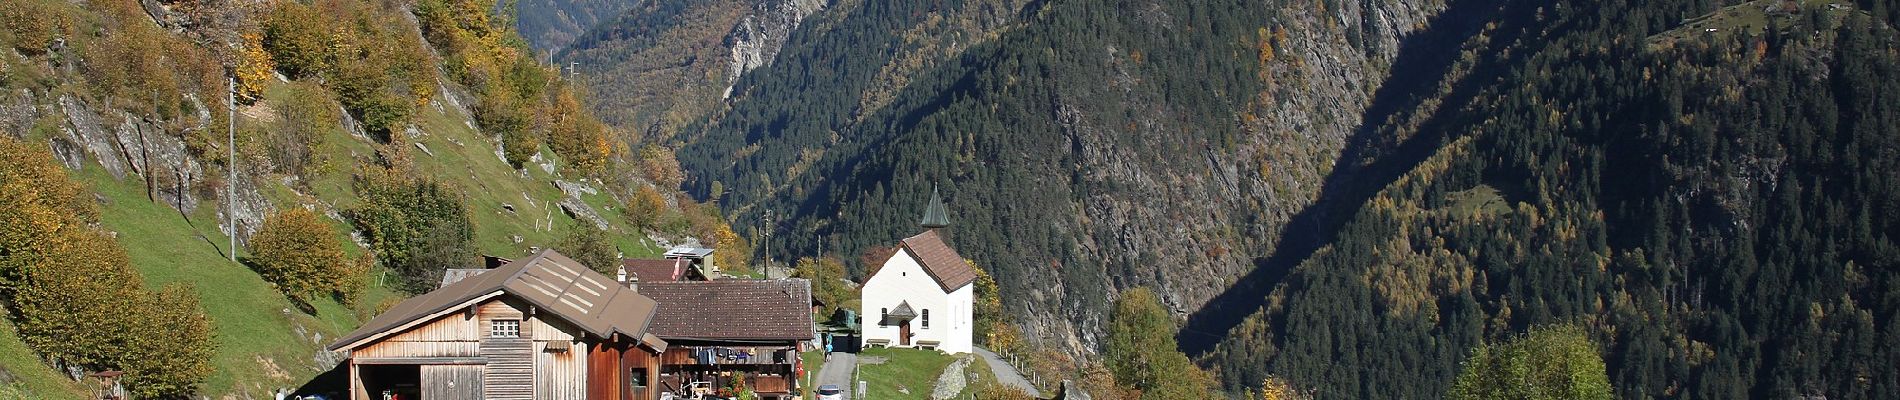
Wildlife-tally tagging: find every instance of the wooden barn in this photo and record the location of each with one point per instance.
(543, 327)
(728, 329)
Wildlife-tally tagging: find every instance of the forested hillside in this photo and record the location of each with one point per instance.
(376, 143)
(1714, 204)
(1080, 150)
(1350, 197)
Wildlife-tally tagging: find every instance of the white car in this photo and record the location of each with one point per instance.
(830, 392)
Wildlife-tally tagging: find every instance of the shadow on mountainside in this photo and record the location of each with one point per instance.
(1372, 159)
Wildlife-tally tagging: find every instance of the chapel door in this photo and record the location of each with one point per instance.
(903, 334)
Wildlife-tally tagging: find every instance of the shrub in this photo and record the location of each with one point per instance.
(254, 67)
(1142, 353)
(171, 355)
(35, 24)
(828, 282)
(503, 115)
(300, 253)
(305, 119)
(364, 89)
(589, 245)
(72, 291)
(644, 208)
(992, 390)
(660, 166)
(574, 135)
(1548, 363)
(416, 226)
(296, 39)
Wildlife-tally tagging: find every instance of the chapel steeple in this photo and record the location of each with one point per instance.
(934, 215)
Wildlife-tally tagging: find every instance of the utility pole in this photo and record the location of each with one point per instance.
(230, 163)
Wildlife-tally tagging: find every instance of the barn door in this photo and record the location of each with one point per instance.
(451, 382)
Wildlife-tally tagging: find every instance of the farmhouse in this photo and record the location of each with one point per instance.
(728, 329)
(922, 296)
(543, 327)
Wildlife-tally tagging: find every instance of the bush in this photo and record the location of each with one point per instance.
(828, 282)
(503, 115)
(660, 166)
(416, 226)
(992, 390)
(35, 24)
(575, 135)
(300, 253)
(305, 119)
(1142, 353)
(1548, 363)
(589, 245)
(364, 88)
(73, 293)
(644, 208)
(172, 354)
(296, 39)
(254, 67)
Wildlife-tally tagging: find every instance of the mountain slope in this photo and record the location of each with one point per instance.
(151, 151)
(663, 65)
(1711, 210)
(1079, 151)
(1349, 196)
(1351, 201)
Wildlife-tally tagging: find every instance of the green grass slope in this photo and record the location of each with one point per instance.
(912, 373)
(264, 342)
(21, 374)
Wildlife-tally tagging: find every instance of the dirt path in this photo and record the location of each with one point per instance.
(1004, 372)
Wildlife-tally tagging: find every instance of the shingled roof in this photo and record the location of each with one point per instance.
(556, 284)
(732, 309)
(939, 260)
(665, 270)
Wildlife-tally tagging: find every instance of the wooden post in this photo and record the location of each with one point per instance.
(230, 198)
(356, 384)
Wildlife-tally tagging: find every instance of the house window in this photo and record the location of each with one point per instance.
(637, 378)
(926, 318)
(505, 328)
(883, 314)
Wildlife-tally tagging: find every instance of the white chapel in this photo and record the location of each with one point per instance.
(923, 294)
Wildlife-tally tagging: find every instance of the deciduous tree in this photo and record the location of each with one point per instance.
(301, 254)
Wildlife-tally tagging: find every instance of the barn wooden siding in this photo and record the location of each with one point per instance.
(510, 372)
(450, 382)
(604, 376)
(636, 357)
(453, 335)
(560, 375)
(610, 366)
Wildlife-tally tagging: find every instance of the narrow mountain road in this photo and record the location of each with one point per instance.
(1004, 372)
(838, 371)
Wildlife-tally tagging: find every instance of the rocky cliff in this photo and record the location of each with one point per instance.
(659, 66)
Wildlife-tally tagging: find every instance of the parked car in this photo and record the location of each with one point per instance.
(830, 392)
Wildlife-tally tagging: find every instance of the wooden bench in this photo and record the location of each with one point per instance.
(928, 344)
(877, 343)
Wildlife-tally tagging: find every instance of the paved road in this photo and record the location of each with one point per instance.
(838, 371)
(1004, 372)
